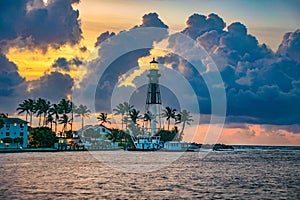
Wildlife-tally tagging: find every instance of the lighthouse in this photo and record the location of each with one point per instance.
(153, 101)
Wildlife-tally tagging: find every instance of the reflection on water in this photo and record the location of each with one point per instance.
(252, 174)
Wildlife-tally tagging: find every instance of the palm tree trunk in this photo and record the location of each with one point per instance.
(55, 126)
(31, 119)
(168, 124)
(40, 120)
(81, 122)
(181, 132)
(122, 121)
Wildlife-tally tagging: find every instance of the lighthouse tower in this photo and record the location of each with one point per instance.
(153, 100)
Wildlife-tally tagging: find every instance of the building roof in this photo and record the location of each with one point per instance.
(13, 120)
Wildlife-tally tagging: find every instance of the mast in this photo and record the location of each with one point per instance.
(153, 100)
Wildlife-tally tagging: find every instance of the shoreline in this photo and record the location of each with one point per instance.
(236, 147)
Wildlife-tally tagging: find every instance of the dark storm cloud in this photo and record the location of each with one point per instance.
(83, 49)
(54, 86)
(261, 87)
(66, 65)
(103, 36)
(290, 45)
(35, 24)
(12, 85)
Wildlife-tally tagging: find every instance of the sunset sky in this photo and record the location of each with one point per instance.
(48, 48)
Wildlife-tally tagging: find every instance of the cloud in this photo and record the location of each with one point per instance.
(290, 45)
(53, 86)
(116, 56)
(198, 24)
(152, 20)
(261, 87)
(103, 36)
(66, 65)
(12, 85)
(37, 24)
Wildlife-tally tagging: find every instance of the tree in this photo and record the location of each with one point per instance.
(31, 105)
(55, 110)
(82, 111)
(127, 108)
(185, 118)
(50, 120)
(28, 106)
(42, 137)
(103, 118)
(65, 107)
(18, 140)
(134, 115)
(148, 117)
(64, 120)
(24, 108)
(169, 113)
(120, 110)
(7, 140)
(1, 121)
(42, 107)
(166, 135)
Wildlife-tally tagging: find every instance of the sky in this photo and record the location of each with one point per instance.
(51, 48)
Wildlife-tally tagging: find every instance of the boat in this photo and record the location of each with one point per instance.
(146, 143)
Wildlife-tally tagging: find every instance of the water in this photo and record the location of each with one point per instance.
(241, 174)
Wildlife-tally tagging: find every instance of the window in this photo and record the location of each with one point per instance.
(7, 126)
(15, 124)
(22, 125)
(21, 134)
(7, 134)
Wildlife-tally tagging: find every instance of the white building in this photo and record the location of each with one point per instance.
(176, 146)
(13, 128)
(102, 130)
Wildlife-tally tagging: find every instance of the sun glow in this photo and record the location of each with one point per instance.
(35, 63)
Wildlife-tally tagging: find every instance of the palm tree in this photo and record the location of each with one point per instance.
(103, 118)
(82, 111)
(39, 108)
(148, 117)
(134, 115)
(65, 106)
(28, 106)
(120, 110)
(169, 113)
(24, 107)
(50, 120)
(64, 120)
(55, 110)
(185, 118)
(31, 105)
(127, 108)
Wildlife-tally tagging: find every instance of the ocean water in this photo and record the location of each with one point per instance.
(239, 174)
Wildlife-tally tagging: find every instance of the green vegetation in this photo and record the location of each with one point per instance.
(103, 119)
(50, 115)
(83, 112)
(41, 137)
(166, 135)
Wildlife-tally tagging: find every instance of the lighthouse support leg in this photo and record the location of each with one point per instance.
(153, 120)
